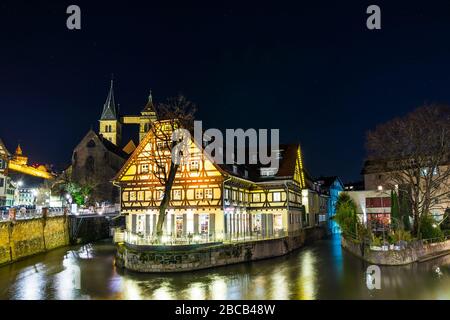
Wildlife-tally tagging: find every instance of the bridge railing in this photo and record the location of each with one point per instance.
(25, 214)
(110, 209)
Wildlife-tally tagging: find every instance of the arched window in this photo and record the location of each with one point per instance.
(91, 144)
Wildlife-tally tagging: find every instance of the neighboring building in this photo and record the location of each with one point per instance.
(210, 199)
(19, 181)
(332, 186)
(373, 206)
(4, 180)
(315, 203)
(98, 157)
(95, 162)
(27, 188)
(376, 177)
(19, 163)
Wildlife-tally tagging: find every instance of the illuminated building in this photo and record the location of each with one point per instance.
(332, 186)
(211, 199)
(111, 122)
(15, 172)
(5, 184)
(19, 163)
(99, 156)
(378, 175)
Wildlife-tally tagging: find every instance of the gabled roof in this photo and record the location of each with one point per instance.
(109, 108)
(287, 164)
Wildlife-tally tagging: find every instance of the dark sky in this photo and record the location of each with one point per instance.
(312, 70)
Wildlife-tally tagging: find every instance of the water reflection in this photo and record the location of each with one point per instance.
(320, 271)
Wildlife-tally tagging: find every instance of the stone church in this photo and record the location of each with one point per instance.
(99, 156)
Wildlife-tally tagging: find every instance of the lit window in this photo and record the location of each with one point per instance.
(227, 194)
(177, 194)
(144, 168)
(241, 196)
(208, 193)
(256, 197)
(125, 196)
(276, 196)
(193, 165)
(199, 194)
(140, 195)
(148, 195)
(268, 172)
(133, 196)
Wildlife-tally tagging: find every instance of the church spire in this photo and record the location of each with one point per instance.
(149, 109)
(109, 108)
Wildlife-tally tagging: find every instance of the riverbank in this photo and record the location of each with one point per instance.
(415, 252)
(20, 239)
(24, 238)
(202, 257)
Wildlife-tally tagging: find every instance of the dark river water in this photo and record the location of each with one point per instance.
(319, 271)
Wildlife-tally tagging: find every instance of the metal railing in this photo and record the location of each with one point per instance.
(189, 239)
(26, 214)
(110, 209)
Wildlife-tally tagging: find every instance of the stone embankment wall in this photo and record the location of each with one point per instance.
(408, 255)
(23, 238)
(211, 256)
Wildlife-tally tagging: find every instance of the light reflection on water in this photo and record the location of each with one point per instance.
(319, 271)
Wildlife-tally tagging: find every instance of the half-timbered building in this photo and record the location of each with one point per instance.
(212, 200)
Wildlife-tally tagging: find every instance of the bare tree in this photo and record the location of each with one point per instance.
(175, 113)
(414, 151)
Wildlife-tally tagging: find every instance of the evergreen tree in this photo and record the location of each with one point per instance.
(396, 220)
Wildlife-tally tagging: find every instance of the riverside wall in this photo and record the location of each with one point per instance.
(23, 238)
(201, 257)
(412, 253)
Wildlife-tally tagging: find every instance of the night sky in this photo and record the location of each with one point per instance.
(312, 70)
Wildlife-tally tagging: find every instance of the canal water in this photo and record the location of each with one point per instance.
(319, 271)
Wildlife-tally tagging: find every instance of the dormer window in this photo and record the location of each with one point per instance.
(193, 165)
(145, 168)
(268, 172)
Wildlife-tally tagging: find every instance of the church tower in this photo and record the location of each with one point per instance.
(110, 126)
(148, 115)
